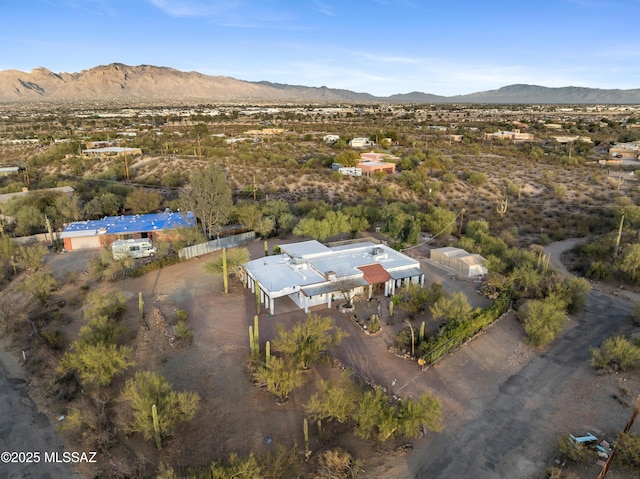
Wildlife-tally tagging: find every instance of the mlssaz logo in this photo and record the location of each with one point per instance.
(70, 457)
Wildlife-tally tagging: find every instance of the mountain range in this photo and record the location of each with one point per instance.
(146, 82)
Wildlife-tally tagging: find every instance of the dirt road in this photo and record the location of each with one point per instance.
(511, 421)
(25, 429)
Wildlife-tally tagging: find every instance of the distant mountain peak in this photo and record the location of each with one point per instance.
(120, 81)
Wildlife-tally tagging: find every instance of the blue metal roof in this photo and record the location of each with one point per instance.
(129, 224)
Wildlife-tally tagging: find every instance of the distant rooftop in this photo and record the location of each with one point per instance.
(130, 224)
(6, 197)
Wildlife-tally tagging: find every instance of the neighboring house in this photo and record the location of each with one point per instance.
(516, 136)
(331, 138)
(571, 139)
(625, 151)
(6, 197)
(361, 143)
(93, 145)
(7, 170)
(462, 262)
(101, 233)
(112, 151)
(311, 274)
(371, 163)
(265, 132)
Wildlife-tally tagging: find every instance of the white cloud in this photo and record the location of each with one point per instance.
(231, 13)
(323, 8)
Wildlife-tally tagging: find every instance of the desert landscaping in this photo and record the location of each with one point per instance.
(484, 376)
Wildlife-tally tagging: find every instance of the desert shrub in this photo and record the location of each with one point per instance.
(101, 329)
(455, 333)
(281, 463)
(110, 303)
(235, 258)
(599, 270)
(76, 420)
(572, 290)
(338, 464)
(237, 467)
(39, 285)
(95, 364)
(52, 337)
(183, 332)
(476, 178)
(543, 319)
(629, 264)
(628, 450)
(568, 450)
(617, 353)
(147, 389)
(454, 307)
(414, 299)
(448, 178)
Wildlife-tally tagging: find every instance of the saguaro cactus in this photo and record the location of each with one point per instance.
(421, 334)
(305, 427)
(225, 273)
(252, 346)
(267, 357)
(502, 207)
(256, 332)
(141, 306)
(156, 426)
(258, 296)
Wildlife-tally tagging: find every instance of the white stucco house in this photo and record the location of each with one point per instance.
(310, 273)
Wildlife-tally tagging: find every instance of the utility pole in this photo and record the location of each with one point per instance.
(461, 219)
(617, 245)
(255, 188)
(632, 419)
(126, 168)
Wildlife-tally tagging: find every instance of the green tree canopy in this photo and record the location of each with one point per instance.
(454, 307)
(95, 364)
(334, 401)
(440, 221)
(142, 201)
(280, 376)
(208, 196)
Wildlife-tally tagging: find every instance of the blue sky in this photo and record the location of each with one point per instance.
(445, 47)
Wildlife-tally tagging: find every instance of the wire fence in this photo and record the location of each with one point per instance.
(217, 244)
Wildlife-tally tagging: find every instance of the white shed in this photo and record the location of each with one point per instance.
(463, 263)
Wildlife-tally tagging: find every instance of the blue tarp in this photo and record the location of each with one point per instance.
(130, 224)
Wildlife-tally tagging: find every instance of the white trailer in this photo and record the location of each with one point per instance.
(133, 248)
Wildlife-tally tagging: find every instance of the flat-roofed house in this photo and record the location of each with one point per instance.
(100, 233)
(311, 274)
(372, 162)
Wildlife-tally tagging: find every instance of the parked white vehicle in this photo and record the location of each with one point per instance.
(134, 248)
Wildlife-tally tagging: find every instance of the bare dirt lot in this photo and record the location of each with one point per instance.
(504, 404)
